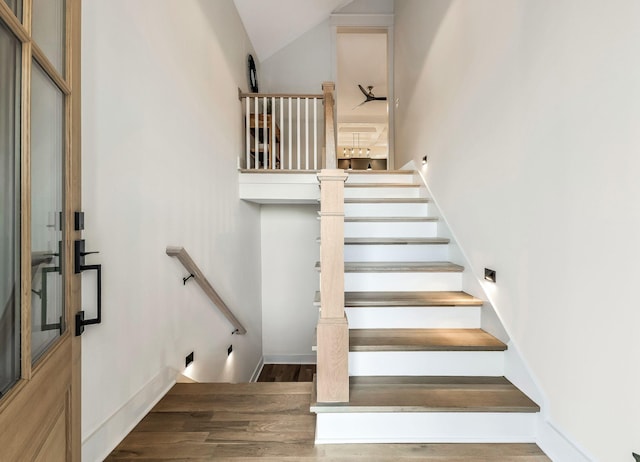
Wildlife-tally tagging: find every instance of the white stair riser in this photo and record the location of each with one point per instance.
(426, 427)
(401, 281)
(391, 229)
(432, 317)
(402, 209)
(448, 363)
(380, 178)
(386, 192)
(382, 253)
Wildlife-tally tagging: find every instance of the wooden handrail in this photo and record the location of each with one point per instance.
(242, 95)
(181, 254)
(329, 125)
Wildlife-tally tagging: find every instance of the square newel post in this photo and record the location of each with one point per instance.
(333, 328)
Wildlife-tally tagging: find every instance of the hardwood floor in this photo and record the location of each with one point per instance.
(270, 422)
(287, 373)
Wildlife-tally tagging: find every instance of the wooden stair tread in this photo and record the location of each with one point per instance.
(387, 200)
(400, 267)
(389, 219)
(423, 340)
(398, 299)
(431, 394)
(381, 172)
(396, 240)
(380, 185)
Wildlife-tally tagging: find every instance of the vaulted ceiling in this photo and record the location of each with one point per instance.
(273, 24)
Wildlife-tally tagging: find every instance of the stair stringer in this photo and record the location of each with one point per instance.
(555, 443)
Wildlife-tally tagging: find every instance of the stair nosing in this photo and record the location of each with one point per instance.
(383, 200)
(396, 241)
(390, 219)
(399, 267)
(381, 172)
(386, 299)
(401, 340)
(359, 387)
(381, 185)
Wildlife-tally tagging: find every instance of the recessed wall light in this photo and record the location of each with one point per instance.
(229, 350)
(424, 160)
(188, 360)
(489, 275)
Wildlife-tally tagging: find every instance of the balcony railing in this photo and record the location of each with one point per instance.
(283, 131)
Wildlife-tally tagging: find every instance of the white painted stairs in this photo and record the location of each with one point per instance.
(421, 368)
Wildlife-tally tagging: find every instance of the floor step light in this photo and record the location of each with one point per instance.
(489, 275)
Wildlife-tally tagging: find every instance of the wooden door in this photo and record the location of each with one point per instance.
(39, 193)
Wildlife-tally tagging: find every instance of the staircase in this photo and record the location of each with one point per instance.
(420, 367)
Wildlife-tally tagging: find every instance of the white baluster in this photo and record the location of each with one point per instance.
(290, 136)
(281, 149)
(306, 132)
(265, 154)
(272, 127)
(247, 124)
(315, 133)
(298, 140)
(256, 126)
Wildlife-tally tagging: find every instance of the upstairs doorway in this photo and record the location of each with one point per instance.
(363, 96)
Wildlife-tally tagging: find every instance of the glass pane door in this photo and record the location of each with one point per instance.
(10, 52)
(16, 7)
(48, 30)
(47, 154)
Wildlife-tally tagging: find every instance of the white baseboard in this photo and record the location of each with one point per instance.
(557, 445)
(257, 371)
(97, 445)
(290, 359)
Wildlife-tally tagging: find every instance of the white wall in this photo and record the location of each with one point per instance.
(301, 66)
(289, 281)
(162, 129)
(526, 112)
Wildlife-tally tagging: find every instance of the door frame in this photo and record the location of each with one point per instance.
(46, 398)
(367, 22)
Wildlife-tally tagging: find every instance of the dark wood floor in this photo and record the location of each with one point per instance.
(287, 373)
(270, 422)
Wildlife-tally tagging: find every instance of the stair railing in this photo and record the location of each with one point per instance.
(332, 377)
(194, 272)
(281, 131)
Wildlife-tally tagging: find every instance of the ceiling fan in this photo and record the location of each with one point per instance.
(369, 96)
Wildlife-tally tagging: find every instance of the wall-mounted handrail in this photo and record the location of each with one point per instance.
(183, 256)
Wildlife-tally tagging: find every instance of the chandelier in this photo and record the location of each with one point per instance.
(355, 148)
